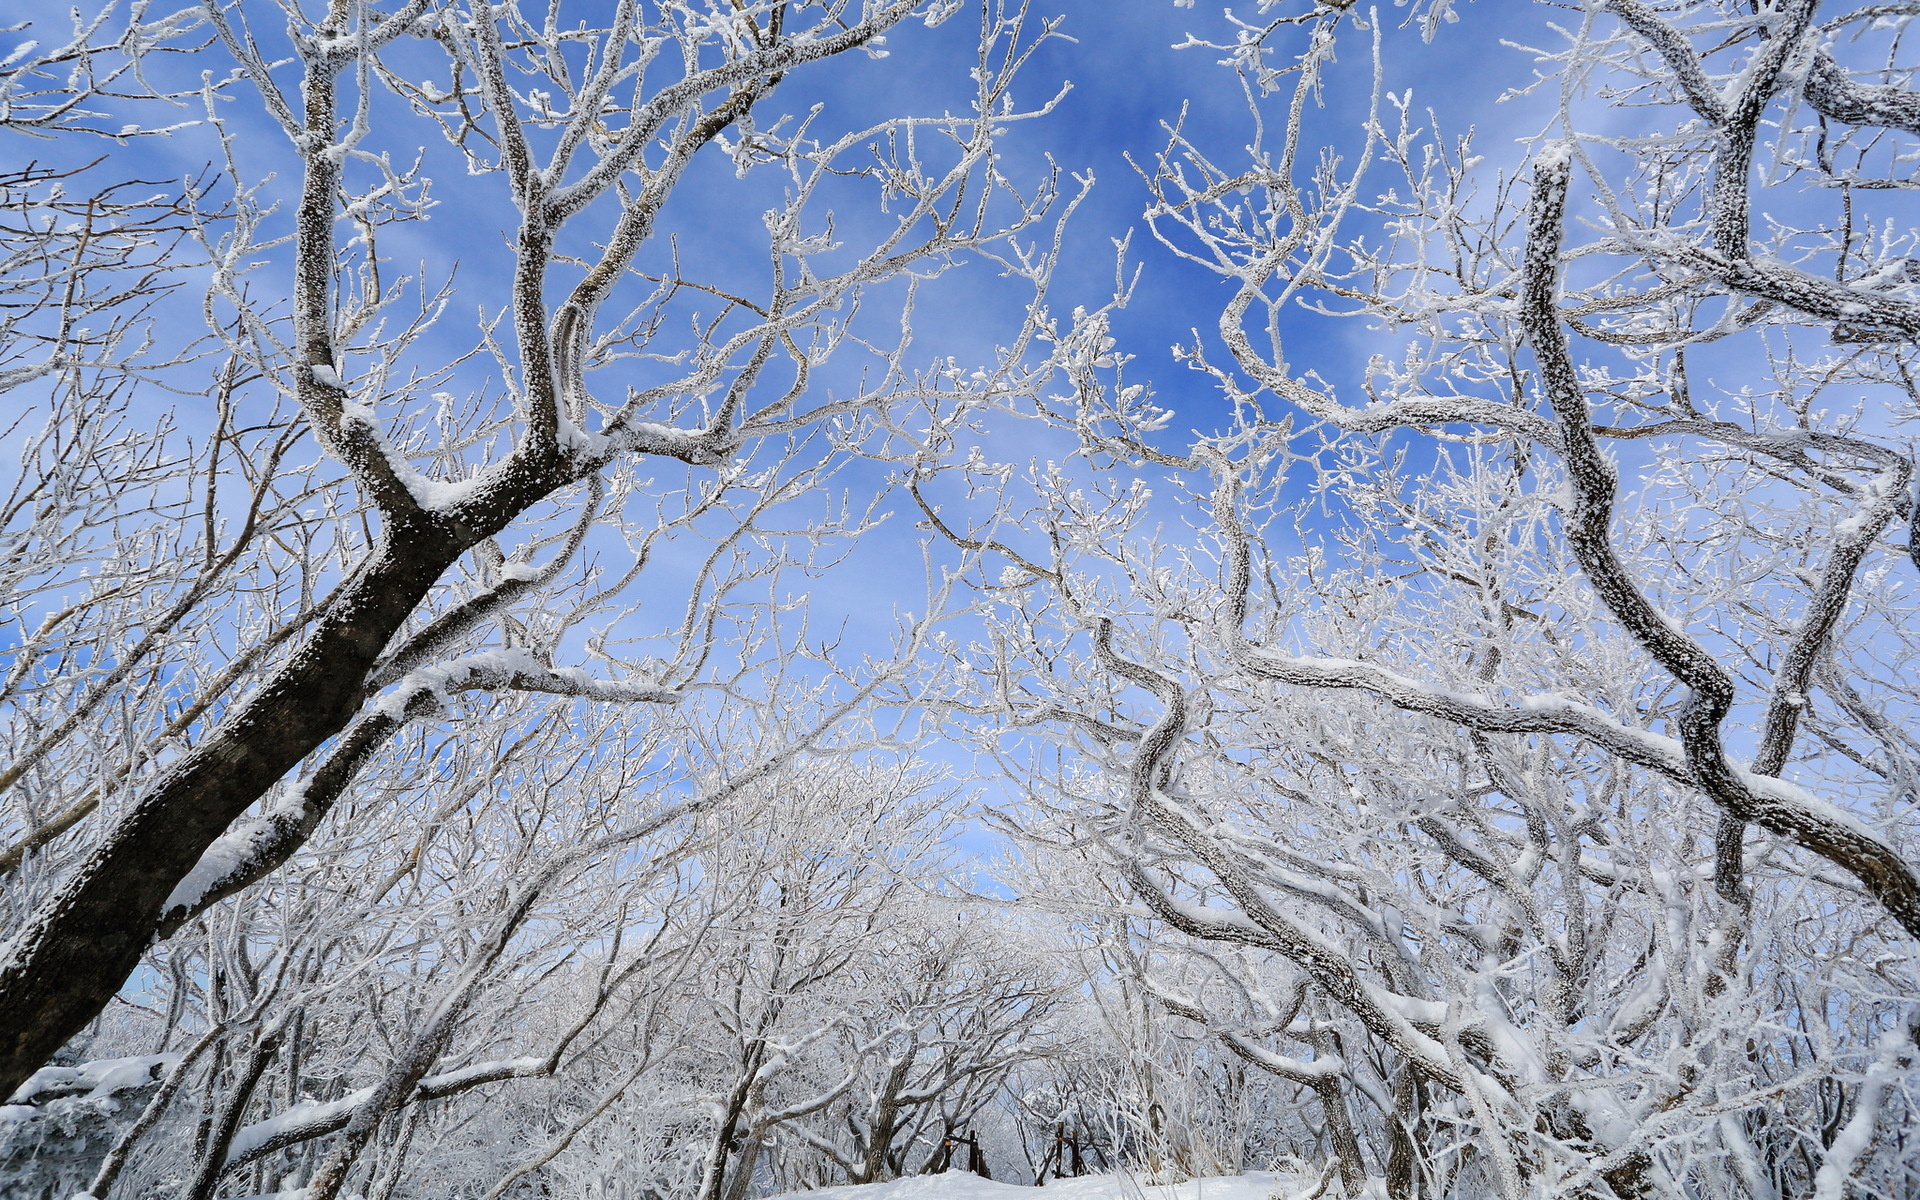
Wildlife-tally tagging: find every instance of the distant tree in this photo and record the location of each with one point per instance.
(950, 1006)
(804, 898)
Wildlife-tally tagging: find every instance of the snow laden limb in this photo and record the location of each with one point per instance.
(259, 845)
(313, 1120)
(1835, 95)
(1549, 714)
(1867, 315)
(1592, 484)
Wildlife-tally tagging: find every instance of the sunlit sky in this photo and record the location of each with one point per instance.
(1125, 79)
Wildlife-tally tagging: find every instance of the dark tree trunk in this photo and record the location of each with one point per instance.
(81, 945)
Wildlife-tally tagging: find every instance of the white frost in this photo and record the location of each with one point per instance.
(228, 854)
(95, 1080)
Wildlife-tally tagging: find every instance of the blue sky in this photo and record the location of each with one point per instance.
(1127, 80)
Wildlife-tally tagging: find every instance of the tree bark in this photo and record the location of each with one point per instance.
(76, 951)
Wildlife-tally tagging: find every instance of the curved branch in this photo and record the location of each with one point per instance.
(1591, 482)
(1673, 49)
(1834, 96)
(249, 853)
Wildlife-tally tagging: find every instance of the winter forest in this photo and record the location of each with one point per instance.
(704, 599)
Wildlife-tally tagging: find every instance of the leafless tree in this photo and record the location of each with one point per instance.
(381, 515)
(1531, 704)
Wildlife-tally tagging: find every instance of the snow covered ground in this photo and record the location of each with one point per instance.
(957, 1185)
(961, 1185)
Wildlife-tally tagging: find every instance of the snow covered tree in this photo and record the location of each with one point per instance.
(1517, 759)
(401, 488)
(1485, 734)
(939, 1018)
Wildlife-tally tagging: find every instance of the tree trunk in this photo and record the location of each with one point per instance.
(713, 1179)
(1405, 1152)
(886, 1119)
(76, 951)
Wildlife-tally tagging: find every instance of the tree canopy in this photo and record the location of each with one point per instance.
(628, 598)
